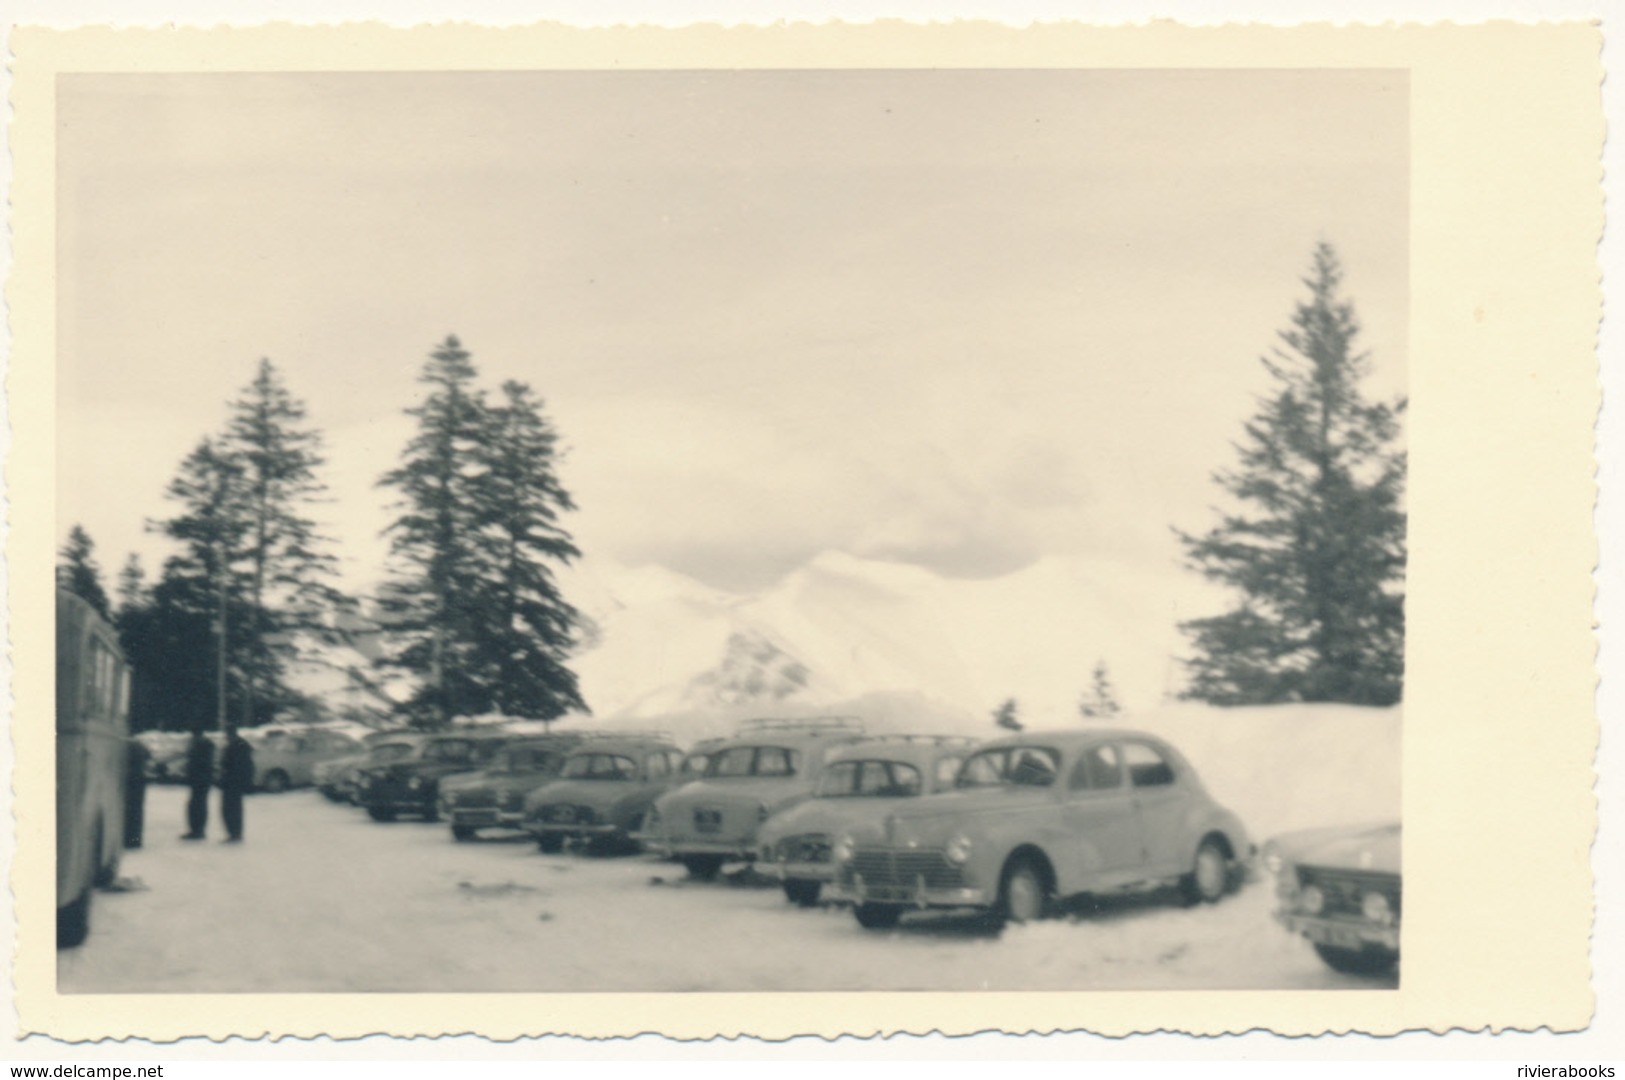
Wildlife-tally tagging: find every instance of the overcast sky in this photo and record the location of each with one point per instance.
(966, 319)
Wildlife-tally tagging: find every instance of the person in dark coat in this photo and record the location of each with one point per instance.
(236, 780)
(200, 778)
(135, 792)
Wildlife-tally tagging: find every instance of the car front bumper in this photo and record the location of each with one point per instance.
(917, 895)
(483, 817)
(680, 846)
(798, 871)
(1340, 933)
(550, 828)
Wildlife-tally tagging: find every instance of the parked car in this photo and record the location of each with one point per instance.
(285, 759)
(1340, 889)
(1039, 816)
(411, 784)
(340, 778)
(860, 781)
(168, 766)
(494, 797)
(604, 790)
(769, 766)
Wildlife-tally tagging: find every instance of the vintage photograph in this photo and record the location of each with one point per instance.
(731, 530)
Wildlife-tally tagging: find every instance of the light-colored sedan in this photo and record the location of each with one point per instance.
(1040, 816)
(1341, 889)
(860, 782)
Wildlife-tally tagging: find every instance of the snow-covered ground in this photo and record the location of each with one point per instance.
(320, 898)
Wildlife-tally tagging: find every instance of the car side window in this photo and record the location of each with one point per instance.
(1099, 769)
(947, 769)
(775, 761)
(1146, 767)
(658, 766)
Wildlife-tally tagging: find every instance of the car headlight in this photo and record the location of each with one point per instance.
(1375, 906)
(958, 849)
(1311, 900)
(414, 783)
(843, 849)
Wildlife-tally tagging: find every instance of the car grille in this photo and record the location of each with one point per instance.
(899, 873)
(473, 799)
(707, 820)
(566, 814)
(808, 848)
(1343, 889)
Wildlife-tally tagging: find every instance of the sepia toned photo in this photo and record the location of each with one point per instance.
(716, 535)
(871, 530)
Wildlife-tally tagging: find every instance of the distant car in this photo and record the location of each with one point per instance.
(769, 766)
(1340, 888)
(860, 782)
(340, 778)
(604, 791)
(168, 766)
(289, 759)
(411, 784)
(1039, 816)
(494, 797)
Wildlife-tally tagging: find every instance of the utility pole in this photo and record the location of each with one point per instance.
(221, 718)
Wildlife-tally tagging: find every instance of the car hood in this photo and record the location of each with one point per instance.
(582, 792)
(833, 816)
(1362, 847)
(934, 818)
(763, 792)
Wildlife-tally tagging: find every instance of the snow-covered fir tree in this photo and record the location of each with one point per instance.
(1101, 699)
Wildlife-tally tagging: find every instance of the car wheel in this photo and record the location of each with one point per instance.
(378, 813)
(431, 812)
(1024, 894)
(275, 782)
(878, 916)
(463, 832)
(73, 922)
(1209, 876)
(550, 843)
(703, 867)
(1372, 960)
(801, 892)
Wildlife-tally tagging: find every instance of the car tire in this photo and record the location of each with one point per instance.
(1209, 878)
(73, 922)
(802, 892)
(432, 811)
(463, 832)
(703, 867)
(1024, 892)
(378, 813)
(550, 843)
(872, 916)
(275, 782)
(1372, 960)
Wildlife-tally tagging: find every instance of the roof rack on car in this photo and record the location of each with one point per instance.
(927, 740)
(811, 725)
(653, 736)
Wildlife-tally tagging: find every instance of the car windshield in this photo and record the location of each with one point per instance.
(600, 767)
(739, 761)
(450, 751)
(527, 759)
(893, 779)
(391, 751)
(1033, 766)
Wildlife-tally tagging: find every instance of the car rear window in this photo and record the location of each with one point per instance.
(600, 767)
(753, 761)
(1033, 766)
(870, 777)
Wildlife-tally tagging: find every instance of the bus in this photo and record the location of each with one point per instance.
(92, 720)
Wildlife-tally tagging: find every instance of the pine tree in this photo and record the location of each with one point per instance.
(528, 628)
(1101, 700)
(1005, 715)
(1318, 553)
(432, 604)
(202, 590)
(78, 572)
(288, 573)
(132, 584)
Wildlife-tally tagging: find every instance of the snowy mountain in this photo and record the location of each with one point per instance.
(840, 628)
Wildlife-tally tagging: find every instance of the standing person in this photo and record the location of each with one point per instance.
(200, 778)
(236, 779)
(135, 792)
